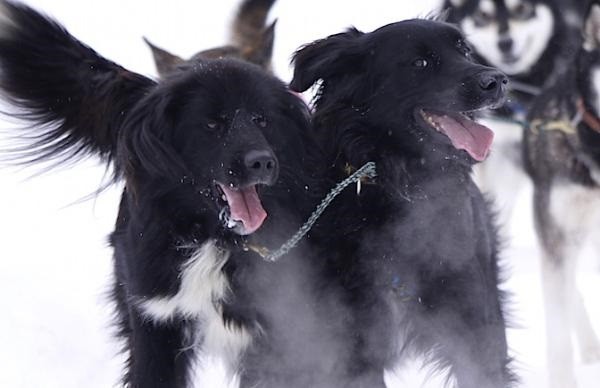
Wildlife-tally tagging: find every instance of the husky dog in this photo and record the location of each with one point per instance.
(520, 37)
(251, 40)
(528, 40)
(562, 156)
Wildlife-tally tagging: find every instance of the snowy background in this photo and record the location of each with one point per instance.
(55, 265)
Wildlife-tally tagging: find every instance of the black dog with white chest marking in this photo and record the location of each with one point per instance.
(200, 153)
(414, 254)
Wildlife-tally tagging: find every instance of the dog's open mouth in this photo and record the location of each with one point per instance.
(241, 209)
(464, 133)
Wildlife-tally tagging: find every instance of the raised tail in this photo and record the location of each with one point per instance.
(251, 33)
(73, 98)
(251, 40)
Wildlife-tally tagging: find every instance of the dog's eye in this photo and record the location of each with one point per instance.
(482, 18)
(523, 11)
(212, 124)
(464, 48)
(420, 63)
(260, 120)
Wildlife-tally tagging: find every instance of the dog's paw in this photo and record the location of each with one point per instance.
(590, 354)
(562, 381)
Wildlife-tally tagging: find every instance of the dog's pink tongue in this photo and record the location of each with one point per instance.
(467, 135)
(245, 206)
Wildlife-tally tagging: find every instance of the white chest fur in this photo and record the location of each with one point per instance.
(202, 291)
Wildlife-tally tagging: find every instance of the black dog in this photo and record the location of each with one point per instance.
(199, 152)
(414, 255)
(562, 155)
(252, 40)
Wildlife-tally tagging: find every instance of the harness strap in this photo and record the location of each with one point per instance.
(588, 117)
(564, 126)
(569, 126)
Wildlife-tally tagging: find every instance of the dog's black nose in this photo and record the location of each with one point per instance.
(492, 80)
(505, 44)
(261, 166)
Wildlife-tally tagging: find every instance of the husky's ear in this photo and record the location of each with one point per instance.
(164, 60)
(439, 16)
(323, 58)
(457, 3)
(591, 32)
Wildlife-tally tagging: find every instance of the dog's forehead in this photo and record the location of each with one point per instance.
(235, 79)
(417, 31)
(225, 70)
(219, 90)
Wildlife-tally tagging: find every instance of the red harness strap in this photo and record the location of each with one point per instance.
(588, 117)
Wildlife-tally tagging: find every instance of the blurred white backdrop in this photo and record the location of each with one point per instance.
(55, 263)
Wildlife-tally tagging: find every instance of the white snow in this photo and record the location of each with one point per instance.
(55, 266)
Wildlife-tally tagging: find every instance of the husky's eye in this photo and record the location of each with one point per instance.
(420, 63)
(482, 18)
(260, 120)
(523, 11)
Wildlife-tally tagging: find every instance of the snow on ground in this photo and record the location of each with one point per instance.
(55, 265)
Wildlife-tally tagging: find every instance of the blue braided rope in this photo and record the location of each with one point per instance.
(366, 171)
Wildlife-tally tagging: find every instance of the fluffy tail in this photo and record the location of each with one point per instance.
(73, 98)
(250, 24)
(251, 40)
(251, 33)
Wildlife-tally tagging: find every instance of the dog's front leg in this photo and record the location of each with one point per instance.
(564, 215)
(462, 329)
(158, 354)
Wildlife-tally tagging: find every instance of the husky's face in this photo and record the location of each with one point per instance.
(511, 35)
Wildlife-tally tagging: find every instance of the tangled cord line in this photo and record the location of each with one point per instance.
(366, 171)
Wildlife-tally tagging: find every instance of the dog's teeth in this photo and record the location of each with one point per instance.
(433, 123)
(223, 215)
(358, 187)
(224, 198)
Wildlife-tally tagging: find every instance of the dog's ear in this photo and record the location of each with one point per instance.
(456, 3)
(439, 15)
(148, 146)
(325, 57)
(591, 32)
(164, 60)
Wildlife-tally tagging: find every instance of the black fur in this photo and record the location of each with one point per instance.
(170, 142)
(414, 257)
(46, 73)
